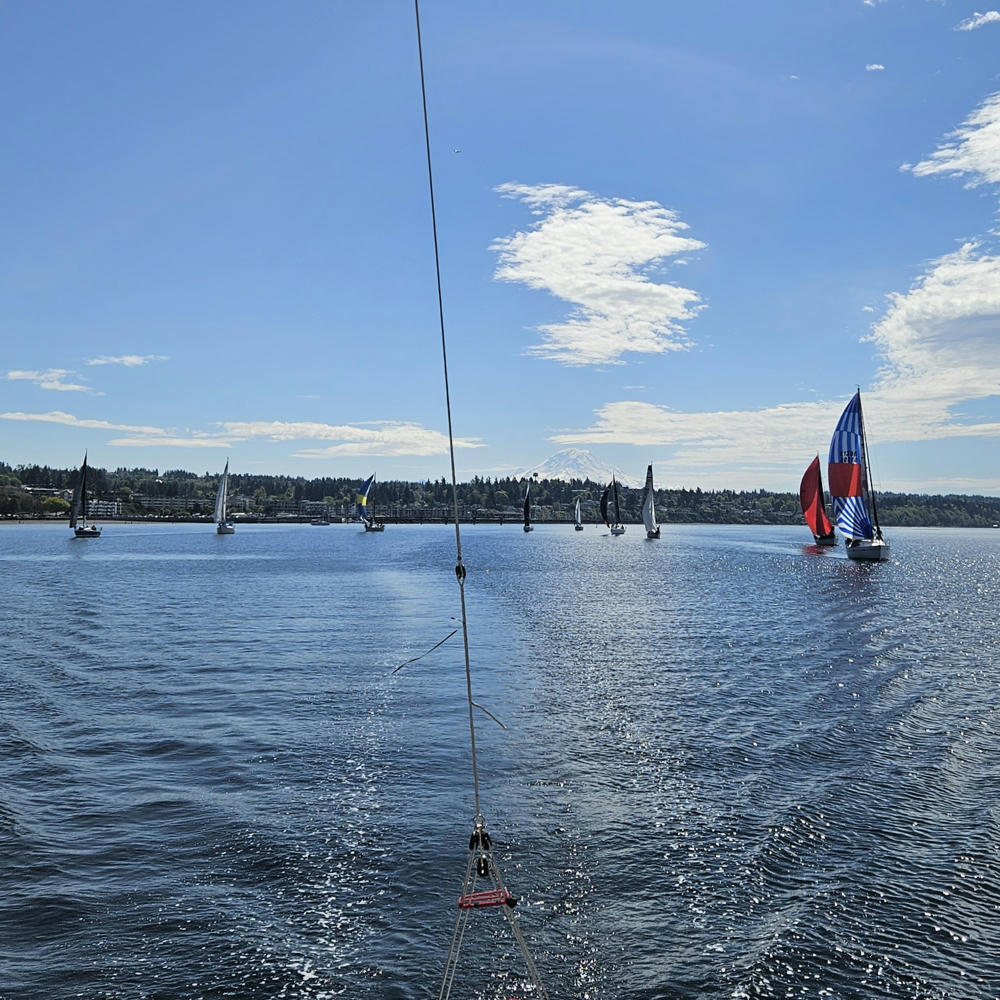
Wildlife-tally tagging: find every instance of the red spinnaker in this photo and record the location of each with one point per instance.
(811, 497)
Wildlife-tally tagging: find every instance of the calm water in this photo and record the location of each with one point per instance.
(734, 765)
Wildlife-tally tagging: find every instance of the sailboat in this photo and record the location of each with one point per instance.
(617, 528)
(528, 526)
(648, 507)
(850, 486)
(78, 508)
(813, 509)
(577, 522)
(366, 513)
(222, 525)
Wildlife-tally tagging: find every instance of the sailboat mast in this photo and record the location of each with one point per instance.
(864, 464)
(83, 490)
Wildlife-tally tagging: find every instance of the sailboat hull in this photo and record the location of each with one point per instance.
(87, 531)
(868, 549)
(375, 527)
(618, 529)
(830, 539)
(578, 527)
(225, 528)
(655, 533)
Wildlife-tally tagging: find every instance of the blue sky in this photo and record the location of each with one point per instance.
(670, 233)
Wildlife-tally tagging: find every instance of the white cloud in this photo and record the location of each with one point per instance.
(974, 152)
(941, 345)
(940, 348)
(874, 68)
(167, 441)
(977, 20)
(53, 379)
(68, 420)
(598, 254)
(384, 438)
(128, 360)
(783, 433)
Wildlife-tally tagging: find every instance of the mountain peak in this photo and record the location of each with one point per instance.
(576, 463)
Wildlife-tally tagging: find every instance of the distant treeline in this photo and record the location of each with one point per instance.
(552, 499)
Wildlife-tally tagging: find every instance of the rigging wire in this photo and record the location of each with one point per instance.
(459, 566)
(481, 863)
(413, 659)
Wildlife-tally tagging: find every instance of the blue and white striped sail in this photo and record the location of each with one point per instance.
(847, 474)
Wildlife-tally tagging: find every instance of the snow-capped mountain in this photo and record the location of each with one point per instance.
(575, 463)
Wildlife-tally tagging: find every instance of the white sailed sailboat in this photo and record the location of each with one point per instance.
(648, 507)
(577, 523)
(850, 486)
(78, 507)
(617, 528)
(222, 525)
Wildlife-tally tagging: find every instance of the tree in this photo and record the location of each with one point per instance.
(55, 506)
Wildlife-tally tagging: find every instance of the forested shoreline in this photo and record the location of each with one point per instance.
(39, 491)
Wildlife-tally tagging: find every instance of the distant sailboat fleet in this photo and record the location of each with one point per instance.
(855, 509)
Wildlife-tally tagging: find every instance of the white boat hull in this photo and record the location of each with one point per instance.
(225, 528)
(89, 531)
(869, 550)
(618, 529)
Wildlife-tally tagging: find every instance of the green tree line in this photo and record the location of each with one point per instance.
(552, 499)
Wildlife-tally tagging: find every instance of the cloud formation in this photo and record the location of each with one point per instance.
(128, 360)
(977, 20)
(599, 255)
(874, 68)
(68, 420)
(972, 153)
(53, 379)
(939, 347)
(383, 438)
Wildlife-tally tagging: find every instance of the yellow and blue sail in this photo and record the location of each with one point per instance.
(362, 499)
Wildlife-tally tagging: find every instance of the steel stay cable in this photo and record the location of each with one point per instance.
(479, 845)
(459, 567)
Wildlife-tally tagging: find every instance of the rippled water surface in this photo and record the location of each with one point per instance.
(734, 765)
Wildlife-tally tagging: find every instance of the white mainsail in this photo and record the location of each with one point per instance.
(648, 509)
(220, 497)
